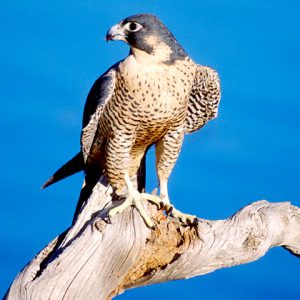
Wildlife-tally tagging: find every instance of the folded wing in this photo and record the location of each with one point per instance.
(99, 95)
(204, 99)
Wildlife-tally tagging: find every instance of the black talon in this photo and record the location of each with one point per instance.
(161, 205)
(169, 209)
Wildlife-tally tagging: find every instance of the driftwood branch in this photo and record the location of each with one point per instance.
(95, 259)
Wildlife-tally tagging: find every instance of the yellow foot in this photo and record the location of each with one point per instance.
(158, 201)
(186, 219)
(136, 199)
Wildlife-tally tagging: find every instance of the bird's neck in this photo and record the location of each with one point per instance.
(159, 55)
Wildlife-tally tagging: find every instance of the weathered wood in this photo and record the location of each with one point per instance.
(95, 259)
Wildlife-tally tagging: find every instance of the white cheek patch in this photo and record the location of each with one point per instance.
(162, 52)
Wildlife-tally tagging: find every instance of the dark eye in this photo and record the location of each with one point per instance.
(133, 26)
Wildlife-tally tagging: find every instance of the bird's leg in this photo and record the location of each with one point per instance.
(167, 151)
(136, 199)
(123, 160)
(170, 209)
(164, 195)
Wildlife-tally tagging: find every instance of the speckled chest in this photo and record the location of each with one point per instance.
(148, 100)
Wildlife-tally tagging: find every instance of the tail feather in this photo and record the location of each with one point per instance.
(74, 165)
(141, 175)
(93, 173)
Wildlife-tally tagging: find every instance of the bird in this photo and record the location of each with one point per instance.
(154, 96)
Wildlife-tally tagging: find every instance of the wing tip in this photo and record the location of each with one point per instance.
(48, 182)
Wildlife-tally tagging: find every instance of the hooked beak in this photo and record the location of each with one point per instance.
(115, 33)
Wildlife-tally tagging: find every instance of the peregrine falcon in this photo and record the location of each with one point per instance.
(152, 97)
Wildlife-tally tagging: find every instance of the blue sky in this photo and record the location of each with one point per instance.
(50, 54)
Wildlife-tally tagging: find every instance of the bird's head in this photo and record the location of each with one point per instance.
(147, 35)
